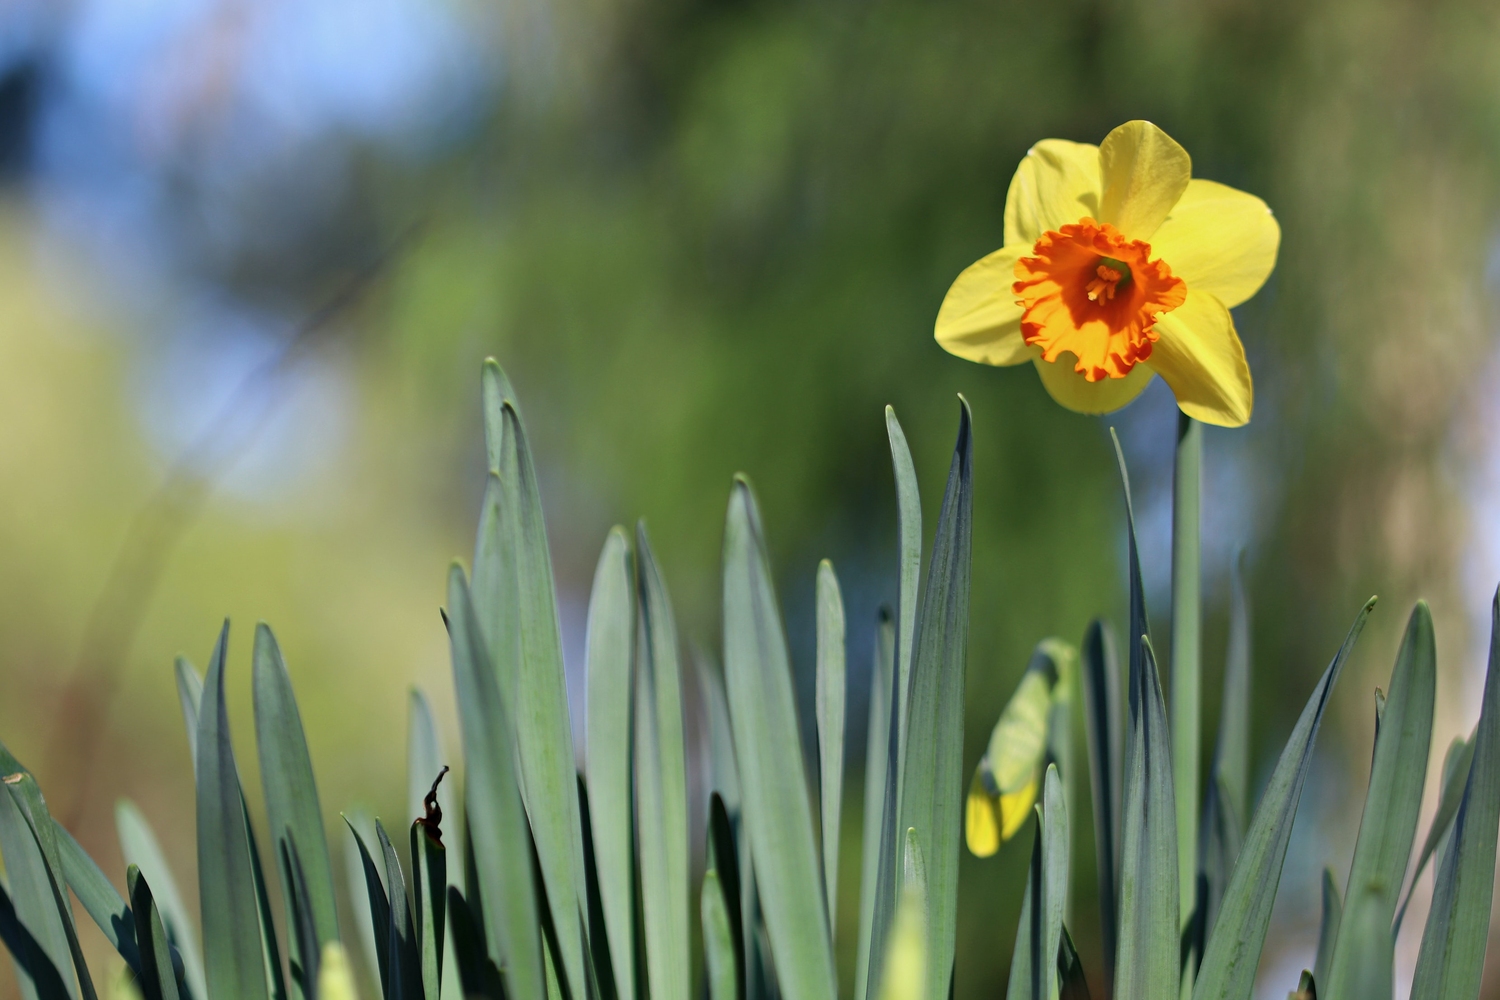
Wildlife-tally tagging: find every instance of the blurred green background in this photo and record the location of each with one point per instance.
(703, 236)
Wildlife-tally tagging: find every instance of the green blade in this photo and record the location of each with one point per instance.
(292, 807)
(933, 787)
(723, 860)
(534, 662)
(611, 639)
(1328, 929)
(1187, 649)
(425, 760)
(904, 970)
(301, 927)
(157, 976)
(140, 847)
(27, 797)
(190, 695)
(359, 828)
(909, 567)
(777, 814)
(1149, 937)
(1101, 695)
(1451, 960)
(660, 786)
(1232, 752)
(1220, 837)
(877, 751)
(404, 964)
(379, 909)
(498, 833)
(1389, 823)
(1227, 971)
(718, 944)
(1034, 963)
(227, 898)
(1455, 777)
(830, 712)
(99, 897)
(429, 863)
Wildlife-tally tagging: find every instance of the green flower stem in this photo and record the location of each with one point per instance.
(1187, 649)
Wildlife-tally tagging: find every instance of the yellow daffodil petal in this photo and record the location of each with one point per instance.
(1075, 392)
(981, 818)
(1200, 356)
(1056, 183)
(979, 319)
(1014, 808)
(1144, 172)
(1219, 240)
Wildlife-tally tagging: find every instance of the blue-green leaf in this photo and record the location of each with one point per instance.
(405, 965)
(611, 641)
(1328, 928)
(498, 834)
(1101, 696)
(830, 713)
(99, 897)
(1187, 651)
(932, 787)
(1451, 960)
(233, 948)
(292, 807)
(190, 695)
(1389, 823)
(877, 753)
(718, 944)
(1227, 971)
(1455, 778)
(140, 847)
(777, 811)
(660, 786)
(157, 975)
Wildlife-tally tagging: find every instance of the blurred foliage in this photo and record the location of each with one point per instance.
(711, 235)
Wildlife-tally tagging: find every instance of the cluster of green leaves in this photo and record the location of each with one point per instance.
(563, 885)
(582, 887)
(1186, 888)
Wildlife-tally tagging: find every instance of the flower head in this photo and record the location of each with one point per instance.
(1118, 265)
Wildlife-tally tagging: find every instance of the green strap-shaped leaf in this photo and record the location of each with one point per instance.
(1220, 837)
(27, 797)
(425, 760)
(429, 863)
(723, 859)
(36, 974)
(99, 897)
(909, 566)
(301, 925)
(478, 972)
(293, 811)
(1035, 961)
(140, 848)
(405, 969)
(379, 908)
(1149, 946)
(1227, 971)
(1187, 650)
(157, 976)
(660, 785)
(1232, 752)
(777, 813)
(1101, 697)
(904, 971)
(1389, 823)
(1451, 960)
(1328, 927)
(1149, 955)
(718, 942)
(877, 752)
(498, 835)
(233, 949)
(189, 695)
(611, 641)
(1455, 778)
(359, 828)
(534, 661)
(830, 712)
(932, 791)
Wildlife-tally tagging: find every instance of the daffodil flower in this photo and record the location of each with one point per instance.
(1118, 265)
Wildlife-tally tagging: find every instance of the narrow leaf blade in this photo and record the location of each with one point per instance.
(830, 712)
